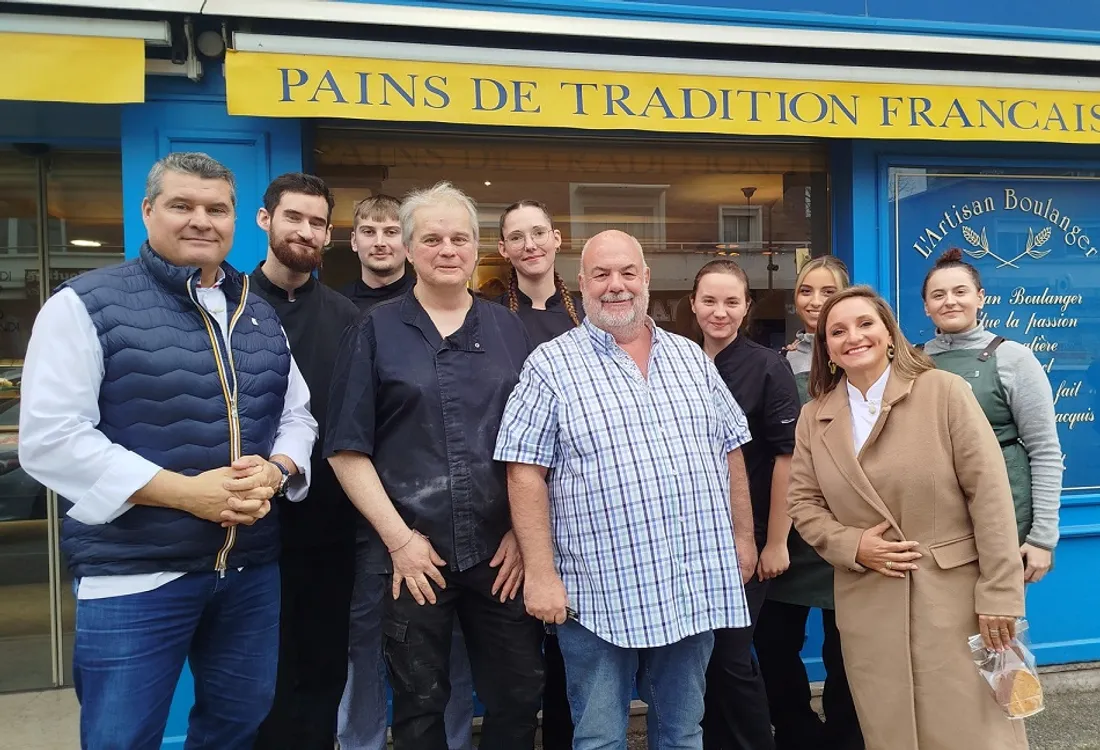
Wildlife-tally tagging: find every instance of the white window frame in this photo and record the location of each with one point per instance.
(756, 223)
(608, 191)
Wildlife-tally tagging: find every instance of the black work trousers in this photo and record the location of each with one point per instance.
(780, 636)
(313, 648)
(505, 648)
(557, 721)
(736, 703)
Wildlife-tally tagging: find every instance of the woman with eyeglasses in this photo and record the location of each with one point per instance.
(538, 294)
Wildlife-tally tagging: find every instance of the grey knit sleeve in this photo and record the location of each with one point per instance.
(1031, 400)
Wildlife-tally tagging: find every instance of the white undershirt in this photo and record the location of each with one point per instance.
(866, 411)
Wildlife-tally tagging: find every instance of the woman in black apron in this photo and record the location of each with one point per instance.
(808, 582)
(736, 701)
(1015, 394)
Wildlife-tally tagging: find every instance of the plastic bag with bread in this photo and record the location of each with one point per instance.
(1011, 674)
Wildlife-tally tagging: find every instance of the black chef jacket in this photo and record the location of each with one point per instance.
(543, 325)
(314, 323)
(365, 297)
(427, 411)
(763, 386)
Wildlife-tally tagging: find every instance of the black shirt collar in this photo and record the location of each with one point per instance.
(271, 289)
(525, 301)
(466, 338)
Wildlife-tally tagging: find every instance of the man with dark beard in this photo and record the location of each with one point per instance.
(318, 535)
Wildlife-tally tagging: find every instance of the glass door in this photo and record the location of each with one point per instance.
(27, 647)
(60, 214)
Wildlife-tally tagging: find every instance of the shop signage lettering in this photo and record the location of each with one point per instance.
(271, 84)
(957, 217)
(1030, 239)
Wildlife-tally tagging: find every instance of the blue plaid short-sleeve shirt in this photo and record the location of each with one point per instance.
(638, 482)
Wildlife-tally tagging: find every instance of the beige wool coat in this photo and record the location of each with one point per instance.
(932, 467)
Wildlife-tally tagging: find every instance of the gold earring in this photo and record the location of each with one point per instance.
(890, 352)
(832, 368)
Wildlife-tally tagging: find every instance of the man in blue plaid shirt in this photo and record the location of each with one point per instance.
(624, 468)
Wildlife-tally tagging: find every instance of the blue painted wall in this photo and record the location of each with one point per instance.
(1060, 19)
(1065, 621)
(179, 115)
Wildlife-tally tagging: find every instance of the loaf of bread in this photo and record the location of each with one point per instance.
(1020, 692)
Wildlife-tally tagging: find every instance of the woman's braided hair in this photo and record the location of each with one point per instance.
(513, 277)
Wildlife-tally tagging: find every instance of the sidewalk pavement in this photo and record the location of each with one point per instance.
(49, 720)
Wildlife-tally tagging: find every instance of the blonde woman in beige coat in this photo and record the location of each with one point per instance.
(897, 480)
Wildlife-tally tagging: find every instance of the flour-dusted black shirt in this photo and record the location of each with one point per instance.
(427, 411)
(763, 385)
(314, 323)
(544, 325)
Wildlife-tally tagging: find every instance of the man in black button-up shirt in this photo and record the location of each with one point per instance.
(317, 565)
(418, 393)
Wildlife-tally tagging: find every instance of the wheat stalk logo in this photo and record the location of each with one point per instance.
(1031, 248)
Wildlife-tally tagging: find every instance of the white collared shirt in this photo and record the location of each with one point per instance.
(866, 411)
(60, 446)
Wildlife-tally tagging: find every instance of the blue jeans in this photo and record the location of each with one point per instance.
(130, 650)
(361, 724)
(600, 681)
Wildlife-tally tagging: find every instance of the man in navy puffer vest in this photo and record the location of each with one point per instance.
(160, 399)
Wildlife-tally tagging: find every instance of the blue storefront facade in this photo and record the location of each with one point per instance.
(770, 132)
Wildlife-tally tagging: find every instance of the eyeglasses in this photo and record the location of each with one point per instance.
(516, 240)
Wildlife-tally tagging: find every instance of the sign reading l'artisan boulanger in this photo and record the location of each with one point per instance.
(286, 85)
(1033, 239)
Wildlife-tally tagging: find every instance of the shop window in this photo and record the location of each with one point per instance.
(636, 209)
(76, 197)
(686, 202)
(739, 225)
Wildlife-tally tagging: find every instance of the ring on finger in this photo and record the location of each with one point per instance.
(889, 565)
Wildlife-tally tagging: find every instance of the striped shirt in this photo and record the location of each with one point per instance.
(638, 481)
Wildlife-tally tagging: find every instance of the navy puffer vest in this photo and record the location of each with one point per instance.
(168, 395)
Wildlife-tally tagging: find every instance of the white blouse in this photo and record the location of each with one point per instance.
(866, 411)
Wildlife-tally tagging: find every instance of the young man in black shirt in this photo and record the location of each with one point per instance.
(418, 394)
(384, 271)
(317, 563)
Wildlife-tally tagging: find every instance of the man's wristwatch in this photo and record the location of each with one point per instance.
(281, 491)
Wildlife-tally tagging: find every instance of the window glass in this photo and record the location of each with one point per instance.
(687, 203)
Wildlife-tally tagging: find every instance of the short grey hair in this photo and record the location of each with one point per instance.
(442, 193)
(192, 163)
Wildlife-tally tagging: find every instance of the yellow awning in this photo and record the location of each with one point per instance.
(81, 69)
(272, 84)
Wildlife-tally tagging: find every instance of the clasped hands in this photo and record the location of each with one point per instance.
(238, 494)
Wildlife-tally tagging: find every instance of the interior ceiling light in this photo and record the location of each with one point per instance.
(86, 243)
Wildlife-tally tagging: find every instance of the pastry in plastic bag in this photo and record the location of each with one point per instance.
(1011, 674)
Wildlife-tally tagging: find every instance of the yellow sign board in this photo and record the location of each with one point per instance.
(287, 85)
(83, 69)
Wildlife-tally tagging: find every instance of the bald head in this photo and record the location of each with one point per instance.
(610, 240)
(614, 282)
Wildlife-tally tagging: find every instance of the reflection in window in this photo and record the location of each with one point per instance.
(687, 203)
